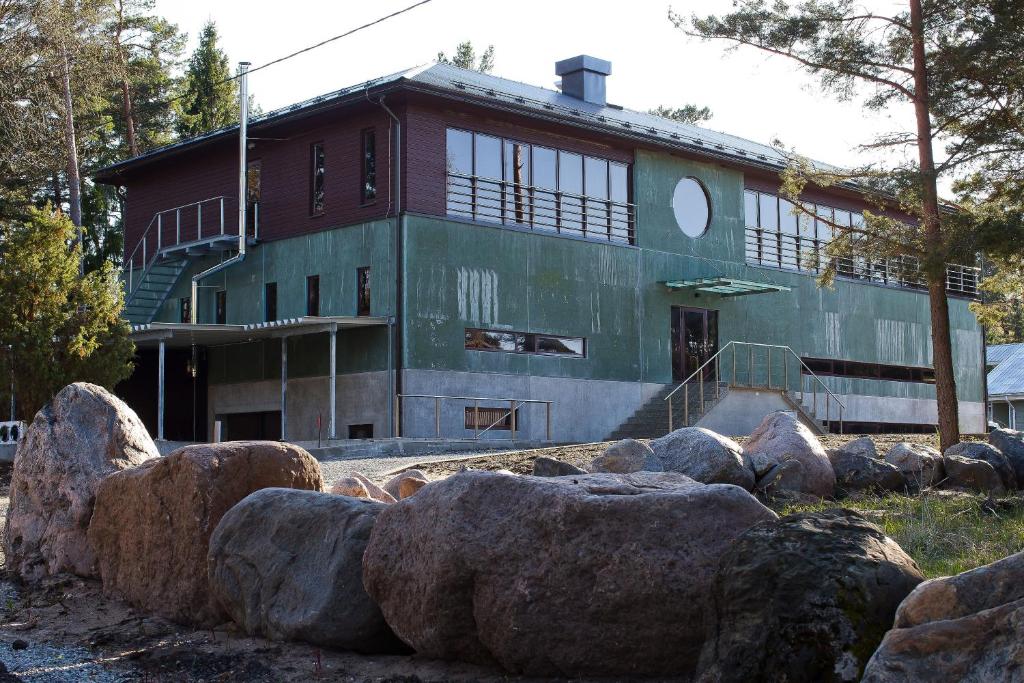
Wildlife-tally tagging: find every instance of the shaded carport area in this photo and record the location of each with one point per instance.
(176, 340)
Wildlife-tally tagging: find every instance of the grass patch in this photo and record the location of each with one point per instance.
(945, 533)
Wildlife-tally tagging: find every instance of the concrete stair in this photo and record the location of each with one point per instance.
(651, 419)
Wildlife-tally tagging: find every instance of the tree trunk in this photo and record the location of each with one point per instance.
(74, 182)
(935, 256)
(129, 123)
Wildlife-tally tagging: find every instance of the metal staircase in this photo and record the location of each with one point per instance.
(172, 240)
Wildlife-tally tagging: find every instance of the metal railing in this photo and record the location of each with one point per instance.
(510, 414)
(753, 377)
(540, 208)
(181, 225)
(803, 253)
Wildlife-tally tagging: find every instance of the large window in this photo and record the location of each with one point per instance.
(525, 342)
(781, 236)
(316, 179)
(856, 369)
(495, 180)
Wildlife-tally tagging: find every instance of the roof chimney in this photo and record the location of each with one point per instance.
(583, 78)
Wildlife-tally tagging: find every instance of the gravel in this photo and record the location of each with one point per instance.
(377, 468)
(42, 663)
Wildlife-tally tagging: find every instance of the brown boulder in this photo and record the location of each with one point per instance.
(401, 485)
(152, 524)
(600, 574)
(84, 434)
(288, 565)
(968, 627)
(350, 486)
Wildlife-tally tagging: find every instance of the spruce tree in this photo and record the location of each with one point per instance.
(209, 99)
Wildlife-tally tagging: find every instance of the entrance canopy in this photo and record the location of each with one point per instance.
(183, 335)
(724, 286)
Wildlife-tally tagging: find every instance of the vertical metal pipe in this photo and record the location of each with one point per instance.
(396, 412)
(750, 366)
(437, 417)
(670, 414)
(160, 394)
(785, 371)
(177, 227)
(512, 422)
(769, 378)
(734, 364)
(284, 388)
(718, 374)
(701, 379)
(548, 405)
(243, 149)
(333, 388)
(222, 215)
(686, 405)
(476, 419)
(159, 232)
(199, 221)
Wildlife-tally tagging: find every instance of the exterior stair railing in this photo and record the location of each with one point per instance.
(753, 375)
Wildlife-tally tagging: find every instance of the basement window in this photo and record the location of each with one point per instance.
(479, 419)
(831, 367)
(525, 342)
(316, 182)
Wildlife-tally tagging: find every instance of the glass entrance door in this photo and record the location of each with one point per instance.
(694, 341)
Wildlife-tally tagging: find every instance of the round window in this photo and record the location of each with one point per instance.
(692, 207)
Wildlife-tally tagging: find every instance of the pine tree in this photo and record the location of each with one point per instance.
(465, 57)
(210, 99)
(688, 113)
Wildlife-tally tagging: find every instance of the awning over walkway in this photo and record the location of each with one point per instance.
(724, 286)
(183, 335)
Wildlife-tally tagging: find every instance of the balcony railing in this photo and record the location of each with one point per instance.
(540, 209)
(793, 252)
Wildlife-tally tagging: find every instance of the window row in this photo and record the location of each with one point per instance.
(497, 180)
(856, 369)
(525, 342)
(781, 236)
(367, 172)
(270, 299)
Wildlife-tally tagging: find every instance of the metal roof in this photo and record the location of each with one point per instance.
(1008, 377)
(178, 335)
(724, 286)
(452, 81)
(997, 353)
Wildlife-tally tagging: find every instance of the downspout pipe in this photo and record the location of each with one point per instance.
(243, 152)
(394, 405)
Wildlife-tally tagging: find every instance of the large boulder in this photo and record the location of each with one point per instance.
(1011, 444)
(152, 524)
(406, 483)
(856, 472)
(598, 575)
(863, 446)
(84, 434)
(979, 450)
(919, 463)
(623, 457)
(807, 598)
(288, 565)
(971, 475)
(704, 455)
(781, 437)
(551, 467)
(968, 627)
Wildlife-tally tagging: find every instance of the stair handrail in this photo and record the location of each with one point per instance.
(149, 256)
(684, 385)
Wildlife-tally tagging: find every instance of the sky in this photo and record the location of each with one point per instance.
(756, 96)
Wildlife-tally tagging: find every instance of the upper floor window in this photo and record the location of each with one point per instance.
(497, 180)
(270, 301)
(369, 171)
(316, 180)
(313, 295)
(780, 235)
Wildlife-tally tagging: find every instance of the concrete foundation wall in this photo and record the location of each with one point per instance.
(362, 398)
(741, 410)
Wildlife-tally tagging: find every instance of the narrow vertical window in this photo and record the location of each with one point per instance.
(313, 295)
(459, 163)
(369, 184)
(316, 181)
(221, 313)
(363, 291)
(270, 301)
(570, 185)
(185, 309)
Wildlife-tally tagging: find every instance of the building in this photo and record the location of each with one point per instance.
(1006, 385)
(444, 233)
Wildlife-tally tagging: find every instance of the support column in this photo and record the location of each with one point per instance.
(334, 384)
(284, 388)
(160, 394)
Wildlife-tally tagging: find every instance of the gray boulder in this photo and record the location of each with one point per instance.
(1011, 444)
(550, 467)
(967, 627)
(807, 598)
(590, 575)
(857, 472)
(781, 437)
(287, 565)
(626, 456)
(863, 446)
(920, 464)
(80, 437)
(704, 455)
(978, 450)
(971, 475)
